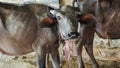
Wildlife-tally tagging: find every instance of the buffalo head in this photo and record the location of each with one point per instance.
(67, 24)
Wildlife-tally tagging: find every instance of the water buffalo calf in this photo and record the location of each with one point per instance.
(22, 31)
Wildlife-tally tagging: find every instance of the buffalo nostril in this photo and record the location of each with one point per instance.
(69, 35)
(73, 35)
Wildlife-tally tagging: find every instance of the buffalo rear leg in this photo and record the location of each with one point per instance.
(89, 50)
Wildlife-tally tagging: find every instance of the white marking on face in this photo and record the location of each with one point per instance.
(53, 12)
(64, 24)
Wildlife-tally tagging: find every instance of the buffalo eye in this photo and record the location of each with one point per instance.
(58, 17)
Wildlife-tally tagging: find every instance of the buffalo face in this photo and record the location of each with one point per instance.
(67, 24)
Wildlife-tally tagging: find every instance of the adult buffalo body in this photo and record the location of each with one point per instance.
(100, 16)
(22, 30)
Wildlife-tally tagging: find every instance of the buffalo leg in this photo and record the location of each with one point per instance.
(47, 61)
(55, 59)
(81, 42)
(89, 49)
(79, 54)
(40, 56)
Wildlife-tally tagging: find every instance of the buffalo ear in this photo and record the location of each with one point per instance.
(85, 18)
(48, 22)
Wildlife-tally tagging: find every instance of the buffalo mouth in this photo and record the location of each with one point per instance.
(71, 36)
(70, 40)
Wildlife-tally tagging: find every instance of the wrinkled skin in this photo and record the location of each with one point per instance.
(104, 21)
(23, 30)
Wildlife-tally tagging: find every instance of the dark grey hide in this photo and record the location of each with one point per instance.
(103, 19)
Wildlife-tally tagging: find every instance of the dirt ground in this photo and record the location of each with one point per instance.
(28, 61)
